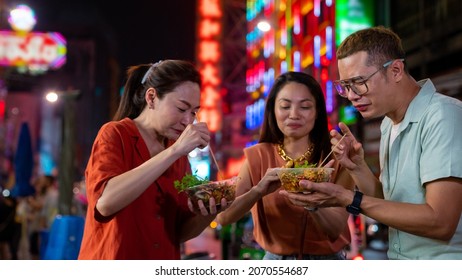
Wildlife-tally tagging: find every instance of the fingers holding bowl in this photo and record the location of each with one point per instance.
(213, 197)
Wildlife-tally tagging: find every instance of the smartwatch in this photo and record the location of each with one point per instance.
(354, 208)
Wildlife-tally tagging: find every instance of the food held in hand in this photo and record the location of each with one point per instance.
(290, 177)
(202, 189)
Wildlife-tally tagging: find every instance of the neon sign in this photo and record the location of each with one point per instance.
(302, 38)
(209, 54)
(34, 50)
(351, 16)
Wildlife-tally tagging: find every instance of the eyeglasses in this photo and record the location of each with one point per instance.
(358, 84)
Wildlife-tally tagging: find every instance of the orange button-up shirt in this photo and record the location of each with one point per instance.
(148, 227)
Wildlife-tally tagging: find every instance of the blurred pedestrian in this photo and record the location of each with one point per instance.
(50, 202)
(10, 228)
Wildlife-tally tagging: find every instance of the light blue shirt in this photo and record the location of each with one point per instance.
(428, 147)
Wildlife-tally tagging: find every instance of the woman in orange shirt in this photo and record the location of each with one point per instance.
(134, 211)
(294, 130)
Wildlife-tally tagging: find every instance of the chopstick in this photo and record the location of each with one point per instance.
(219, 177)
(320, 165)
(212, 154)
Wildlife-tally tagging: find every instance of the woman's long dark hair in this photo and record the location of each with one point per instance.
(164, 76)
(319, 136)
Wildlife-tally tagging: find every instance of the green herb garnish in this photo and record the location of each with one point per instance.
(188, 181)
(305, 164)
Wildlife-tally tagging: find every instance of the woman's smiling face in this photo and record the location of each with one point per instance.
(295, 110)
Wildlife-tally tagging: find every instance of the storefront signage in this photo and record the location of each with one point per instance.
(32, 50)
(209, 58)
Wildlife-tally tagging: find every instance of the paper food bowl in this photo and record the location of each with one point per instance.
(216, 189)
(290, 177)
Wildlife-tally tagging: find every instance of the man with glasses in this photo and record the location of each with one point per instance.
(358, 84)
(419, 193)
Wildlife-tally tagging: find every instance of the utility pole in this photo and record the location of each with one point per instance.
(66, 171)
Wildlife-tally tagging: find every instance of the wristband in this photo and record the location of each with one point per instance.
(354, 208)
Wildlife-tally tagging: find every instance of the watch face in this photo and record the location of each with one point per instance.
(354, 207)
(353, 210)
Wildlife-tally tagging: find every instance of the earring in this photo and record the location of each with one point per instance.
(151, 105)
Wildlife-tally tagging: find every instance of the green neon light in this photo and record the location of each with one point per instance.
(351, 16)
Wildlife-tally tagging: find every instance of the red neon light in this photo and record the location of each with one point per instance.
(209, 28)
(2, 109)
(209, 51)
(324, 75)
(210, 97)
(210, 75)
(233, 166)
(212, 116)
(325, 61)
(209, 54)
(210, 8)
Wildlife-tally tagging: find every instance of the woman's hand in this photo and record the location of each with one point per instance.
(319, 195)
(213, 208)
(269, 183)
(196, 135)
(349, 152)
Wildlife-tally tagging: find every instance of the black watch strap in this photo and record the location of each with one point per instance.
(354, 208)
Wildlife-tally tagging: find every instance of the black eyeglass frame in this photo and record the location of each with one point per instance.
(349, 84)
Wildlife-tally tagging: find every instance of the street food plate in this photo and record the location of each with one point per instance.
(291, 177)
(216, 189)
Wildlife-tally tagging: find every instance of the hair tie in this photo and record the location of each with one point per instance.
(146, 75)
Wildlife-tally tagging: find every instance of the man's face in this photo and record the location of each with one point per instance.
(375, 99)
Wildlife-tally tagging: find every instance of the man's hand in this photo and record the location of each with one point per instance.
(349, 152)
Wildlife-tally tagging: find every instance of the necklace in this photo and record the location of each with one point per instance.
(290, 161)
